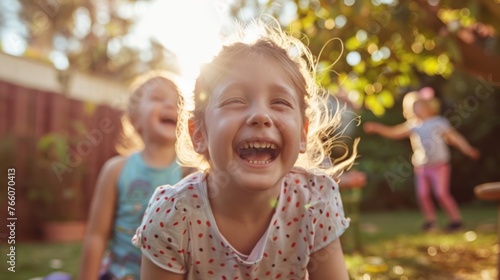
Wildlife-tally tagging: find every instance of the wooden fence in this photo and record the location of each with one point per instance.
(32, 123)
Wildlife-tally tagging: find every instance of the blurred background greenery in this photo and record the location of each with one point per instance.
(385, 48)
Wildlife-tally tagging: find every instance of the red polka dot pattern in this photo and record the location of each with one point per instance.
(179, 231)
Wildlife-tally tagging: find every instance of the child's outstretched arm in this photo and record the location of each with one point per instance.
(328, 263)
(100, 219)
(396, 132)
(150, 271)
(454, 138)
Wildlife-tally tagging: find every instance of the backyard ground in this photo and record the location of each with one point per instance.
(390, 246)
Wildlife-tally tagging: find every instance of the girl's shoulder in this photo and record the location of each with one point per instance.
(113, 166)
(316, 195)
(181, 192)
(189, 182)
(412, 123)
(312, 185)
(441, 120)
(437, 121)
(170, 203)
(116, 160)
(311, 176)
(437, 118)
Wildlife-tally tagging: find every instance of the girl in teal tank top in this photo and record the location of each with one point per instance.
(125, 184)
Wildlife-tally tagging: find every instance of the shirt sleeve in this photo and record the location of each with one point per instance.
(327, 219)
(410, 125)
(162, 235)
(444, 124)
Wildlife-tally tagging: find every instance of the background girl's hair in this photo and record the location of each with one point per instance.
(297, 61)
(130, 140)
(407, 104)
(411, 97)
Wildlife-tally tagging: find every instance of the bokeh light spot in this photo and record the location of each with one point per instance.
(429, 45)
(470, 236)
(349, 2)
(329, 24)
(398, 270)
(353, 58)
(432, 251)
(13, 44)
(59, 60)
(340, 21)
(444, 247)
(417, 47)
(372, 48)
(361, 36)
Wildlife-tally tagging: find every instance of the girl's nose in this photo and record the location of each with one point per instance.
(170, 103)
(259, 119)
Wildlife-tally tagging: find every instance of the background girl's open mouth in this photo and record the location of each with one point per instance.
(168, 121)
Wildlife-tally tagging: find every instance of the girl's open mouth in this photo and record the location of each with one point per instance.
(168, 121)
(258, 152)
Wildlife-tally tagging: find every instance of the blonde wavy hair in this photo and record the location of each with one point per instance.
(130, 139)
(298, 63)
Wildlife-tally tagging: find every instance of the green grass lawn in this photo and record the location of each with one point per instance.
(40, 259)
(393, 247)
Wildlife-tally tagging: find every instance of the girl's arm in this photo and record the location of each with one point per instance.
(328, 263)
(100, 219)
(454, 138)
(396, 132)
(150, 271)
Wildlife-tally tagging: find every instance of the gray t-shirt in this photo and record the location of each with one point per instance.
(428, 141)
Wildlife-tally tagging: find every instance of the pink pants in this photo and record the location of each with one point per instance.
(439, 177)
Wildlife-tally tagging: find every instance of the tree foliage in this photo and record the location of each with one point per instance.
(389, 46)
(91, 36)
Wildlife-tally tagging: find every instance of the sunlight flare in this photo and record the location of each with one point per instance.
(188, 28)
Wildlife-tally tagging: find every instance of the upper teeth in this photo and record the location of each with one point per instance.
(259, 145)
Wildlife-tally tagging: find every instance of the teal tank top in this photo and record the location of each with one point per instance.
(136, 185)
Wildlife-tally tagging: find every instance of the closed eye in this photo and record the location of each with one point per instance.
(282, 102)
(157, 97)
(234, 100)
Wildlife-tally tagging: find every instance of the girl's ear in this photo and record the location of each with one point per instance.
(197, 137)
(303, 136)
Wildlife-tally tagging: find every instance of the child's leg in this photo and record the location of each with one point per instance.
(424, 194)
(440, 176)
